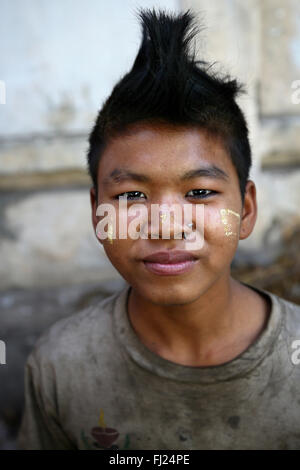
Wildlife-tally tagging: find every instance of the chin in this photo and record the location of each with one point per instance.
(174, 294)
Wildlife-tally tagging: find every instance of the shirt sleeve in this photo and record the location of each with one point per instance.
(40, 427)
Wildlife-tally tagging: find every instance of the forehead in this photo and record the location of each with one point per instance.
(164, 149)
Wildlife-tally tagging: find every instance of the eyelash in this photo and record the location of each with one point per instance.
(203, 196)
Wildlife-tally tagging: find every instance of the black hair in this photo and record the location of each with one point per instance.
(166, 83)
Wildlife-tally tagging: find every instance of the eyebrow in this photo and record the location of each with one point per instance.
(119, 175)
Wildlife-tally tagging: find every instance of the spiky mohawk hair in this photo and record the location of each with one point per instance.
(166, 83)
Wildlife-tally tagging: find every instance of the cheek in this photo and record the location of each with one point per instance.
(222, 226)
(117, 253)
(221, 229)
(115, 224)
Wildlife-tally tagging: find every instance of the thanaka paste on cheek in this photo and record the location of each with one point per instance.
(225, 213)
(110, 233)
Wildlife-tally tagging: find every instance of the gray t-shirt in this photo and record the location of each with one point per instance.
(92, 384)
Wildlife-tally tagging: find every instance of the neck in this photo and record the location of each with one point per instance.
(211, 330)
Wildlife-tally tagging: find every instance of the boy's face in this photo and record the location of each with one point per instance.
(163, 154)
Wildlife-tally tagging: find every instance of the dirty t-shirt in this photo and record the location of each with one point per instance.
(92, 384)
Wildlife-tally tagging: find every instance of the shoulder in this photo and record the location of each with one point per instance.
(291, 315)
(286, 309)
(73, 338)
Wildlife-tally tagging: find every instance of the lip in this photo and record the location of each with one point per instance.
(170, 269)
(170, 257)
(166, 263)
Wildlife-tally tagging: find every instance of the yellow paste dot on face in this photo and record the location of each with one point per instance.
(227, 225)
(110, 233)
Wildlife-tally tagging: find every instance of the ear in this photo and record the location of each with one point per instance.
(94, 205)
(249, 212)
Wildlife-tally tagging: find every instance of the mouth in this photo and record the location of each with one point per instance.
(170, 262)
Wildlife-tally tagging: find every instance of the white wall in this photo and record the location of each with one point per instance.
(60, 58)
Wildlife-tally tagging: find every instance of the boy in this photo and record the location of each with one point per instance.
(184, 357)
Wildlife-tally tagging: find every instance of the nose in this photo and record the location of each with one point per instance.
(170, 221)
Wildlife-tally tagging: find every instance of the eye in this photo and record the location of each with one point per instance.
(201, 193)
(130, 195)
